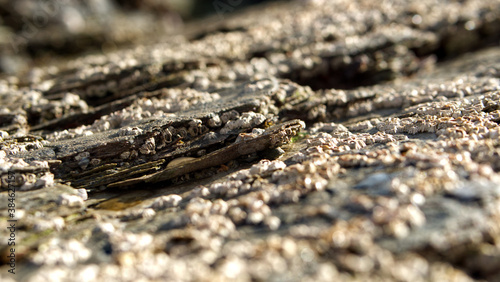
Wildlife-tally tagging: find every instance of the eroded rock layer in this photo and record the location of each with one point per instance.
(307, 140)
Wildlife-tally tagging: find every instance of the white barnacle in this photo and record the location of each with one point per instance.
(125, 155)
(328, 127)
(82, 193)
(219, 206)
(225, 117)
(259, 167)
(455, 133)
(70, 200)
(146, 213)
(237, 214)
(199, 191)
(258, 131)
(224, 187)
(276, 165)
(148, 147)
(241, 175)
(194, 127)
(56, 223)
(198, 206)
(164, 202)
(413, 215)
(214, 121)
(272, 222)
(210, 136)
(361, 126)
(266, 167)
(124, 131)
(299, 157)
(4, 134)
(44, 181)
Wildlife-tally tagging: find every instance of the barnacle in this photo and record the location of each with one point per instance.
(148, 147)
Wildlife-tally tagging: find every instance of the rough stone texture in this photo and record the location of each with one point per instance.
(395, 177)
(33, 31)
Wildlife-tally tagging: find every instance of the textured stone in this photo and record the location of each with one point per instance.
(136, 163)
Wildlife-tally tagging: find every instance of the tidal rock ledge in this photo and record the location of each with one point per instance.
(311, 140)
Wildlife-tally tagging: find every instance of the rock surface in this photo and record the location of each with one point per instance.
(393, 176)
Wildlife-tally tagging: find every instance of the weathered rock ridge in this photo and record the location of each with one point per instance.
(303, 140)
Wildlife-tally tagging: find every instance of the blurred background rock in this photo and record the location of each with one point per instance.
(35, 31)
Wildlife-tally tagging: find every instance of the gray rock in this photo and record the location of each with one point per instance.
(394, 177)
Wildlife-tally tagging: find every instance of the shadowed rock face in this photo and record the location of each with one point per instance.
(325, 140)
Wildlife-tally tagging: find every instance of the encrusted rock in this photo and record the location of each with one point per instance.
(155, 161)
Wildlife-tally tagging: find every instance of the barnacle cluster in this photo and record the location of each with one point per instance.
(16, 173)
(168, 101)
(169, 144)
